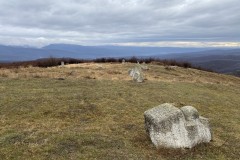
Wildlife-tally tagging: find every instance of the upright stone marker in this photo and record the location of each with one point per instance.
(62, 63)
(144, 66)
(136, 74)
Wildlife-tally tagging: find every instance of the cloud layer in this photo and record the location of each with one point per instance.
(122, 22)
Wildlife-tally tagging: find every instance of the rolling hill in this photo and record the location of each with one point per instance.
(222, 61)
(95, 111)
(219, 60)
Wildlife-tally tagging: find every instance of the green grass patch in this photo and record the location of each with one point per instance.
(103, 119)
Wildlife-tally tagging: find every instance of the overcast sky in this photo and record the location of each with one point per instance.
(120, 22)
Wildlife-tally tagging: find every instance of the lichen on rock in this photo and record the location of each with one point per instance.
(170, 127)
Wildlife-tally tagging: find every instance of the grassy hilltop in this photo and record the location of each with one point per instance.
(95, 111)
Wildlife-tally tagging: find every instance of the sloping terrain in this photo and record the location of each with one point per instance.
(229, 64)
(95, 111)
(222, 61)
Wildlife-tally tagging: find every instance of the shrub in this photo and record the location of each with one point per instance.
(50, 62)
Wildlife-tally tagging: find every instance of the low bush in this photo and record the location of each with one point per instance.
(50, 62)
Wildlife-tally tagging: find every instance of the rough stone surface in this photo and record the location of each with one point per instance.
(170, 127)
(136, 74)
(190, 113)
(144, 67)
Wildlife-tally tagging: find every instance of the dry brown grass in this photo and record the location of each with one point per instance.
(116, 71)
(95, 111)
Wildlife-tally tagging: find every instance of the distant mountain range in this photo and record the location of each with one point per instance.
(13, 53)
(221, 59)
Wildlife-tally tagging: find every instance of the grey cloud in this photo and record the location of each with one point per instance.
(105, 21)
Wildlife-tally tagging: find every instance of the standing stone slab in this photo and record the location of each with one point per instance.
(144, 66)
(136, 74)
(170, 127)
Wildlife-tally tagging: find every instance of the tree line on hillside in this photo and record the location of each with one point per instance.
(50, 62)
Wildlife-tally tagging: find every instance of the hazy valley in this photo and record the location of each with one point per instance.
(221, 60)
